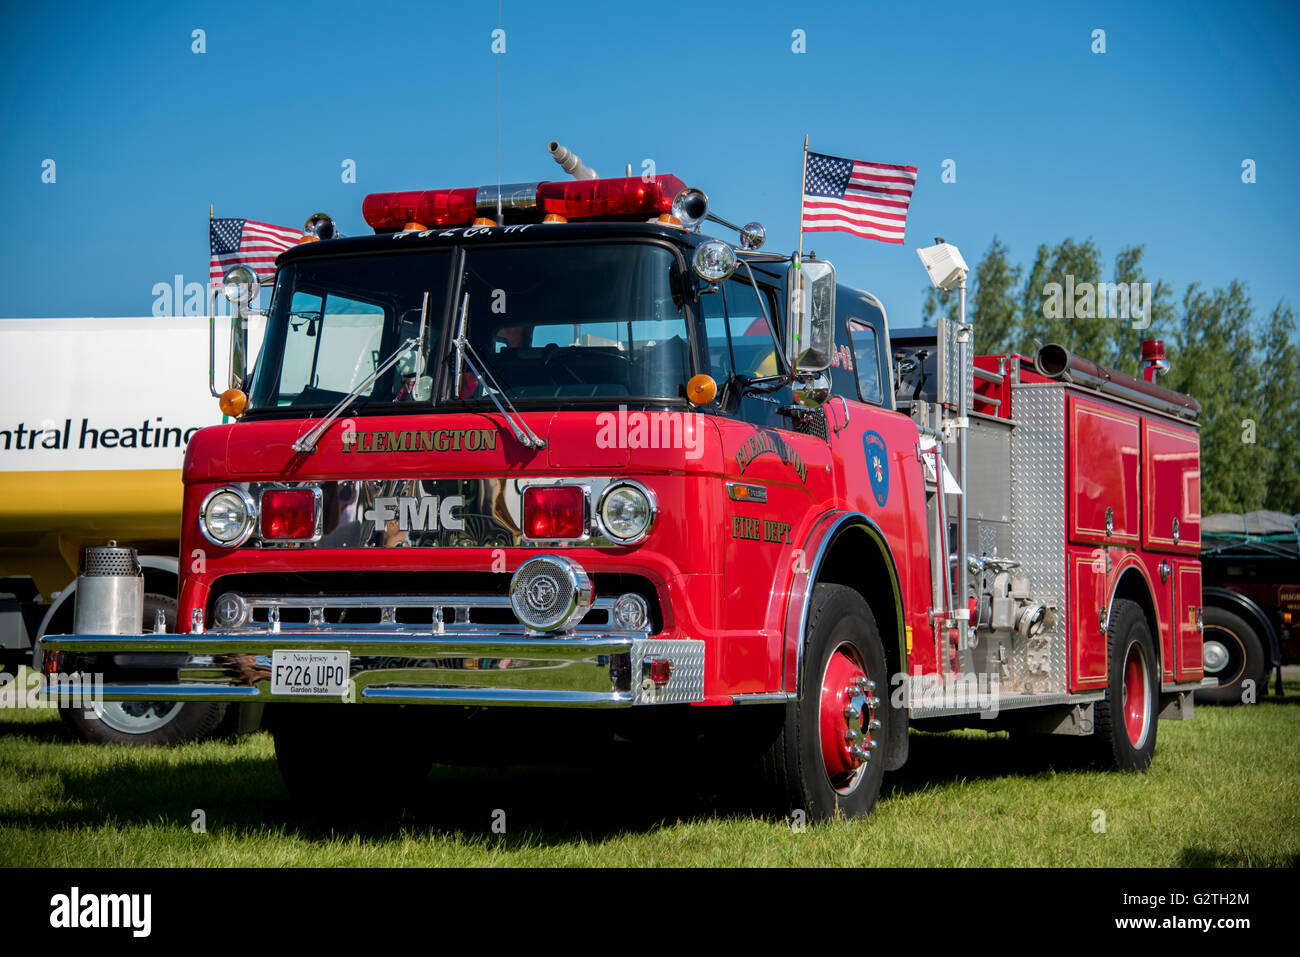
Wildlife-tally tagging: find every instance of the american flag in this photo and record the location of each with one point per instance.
(242, 241)
(866, 199)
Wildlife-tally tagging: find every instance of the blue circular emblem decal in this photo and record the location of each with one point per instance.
(877, 466)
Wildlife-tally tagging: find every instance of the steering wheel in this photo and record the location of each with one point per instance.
(554, 353)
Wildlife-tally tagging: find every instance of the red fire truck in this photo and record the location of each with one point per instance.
(547, 450)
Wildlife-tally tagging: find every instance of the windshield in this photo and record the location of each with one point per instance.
(577, 321)
(335, 321)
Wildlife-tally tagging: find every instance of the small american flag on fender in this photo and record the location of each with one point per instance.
(237, 242)
(866, 199)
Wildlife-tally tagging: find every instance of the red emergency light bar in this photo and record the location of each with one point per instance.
(385, 212)
(572, 199)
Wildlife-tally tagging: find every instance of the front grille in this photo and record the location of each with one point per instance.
(417, 614)
(392, 602)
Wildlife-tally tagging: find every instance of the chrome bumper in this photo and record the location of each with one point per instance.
(610, 670)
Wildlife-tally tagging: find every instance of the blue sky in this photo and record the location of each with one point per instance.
(1143, 143)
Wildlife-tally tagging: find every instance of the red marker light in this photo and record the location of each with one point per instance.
(554, 511)
(289, 514)
(661, 669)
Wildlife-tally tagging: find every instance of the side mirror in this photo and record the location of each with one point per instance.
(240, 287)
(810, 307)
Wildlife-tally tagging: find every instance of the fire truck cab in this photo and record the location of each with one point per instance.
(548, 446)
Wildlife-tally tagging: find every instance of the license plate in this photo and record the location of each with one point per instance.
(310, 674)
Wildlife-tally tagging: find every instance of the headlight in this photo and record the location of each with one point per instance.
(227, 517)
(626, 511)
(714, 260)
(240, 286)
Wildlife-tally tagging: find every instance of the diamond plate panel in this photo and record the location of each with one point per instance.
(952, 371)
(1038, 531)
(685, 684)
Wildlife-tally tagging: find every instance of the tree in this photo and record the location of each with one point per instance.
(1278, 424)
(1067, 265)
(1213, 358)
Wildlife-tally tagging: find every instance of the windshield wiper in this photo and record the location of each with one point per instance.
(465, 353)
(308, 442)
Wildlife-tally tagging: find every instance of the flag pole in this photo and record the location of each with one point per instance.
(803, 186)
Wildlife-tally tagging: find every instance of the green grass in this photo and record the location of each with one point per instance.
(1224, 790)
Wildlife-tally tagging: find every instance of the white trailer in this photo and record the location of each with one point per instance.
(95, 417)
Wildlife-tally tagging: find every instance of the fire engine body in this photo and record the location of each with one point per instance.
(542, 504)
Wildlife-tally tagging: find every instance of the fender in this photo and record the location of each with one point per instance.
(1132, 564)
(1253, 612)
(824, 532)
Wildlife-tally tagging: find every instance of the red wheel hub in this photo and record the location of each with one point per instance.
(1136, 703)
(846, 718)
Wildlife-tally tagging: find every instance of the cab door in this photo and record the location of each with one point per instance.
(777, 474)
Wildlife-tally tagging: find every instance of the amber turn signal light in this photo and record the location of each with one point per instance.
(701, 389)
(233, 402)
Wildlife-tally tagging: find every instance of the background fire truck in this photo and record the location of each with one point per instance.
(96, 417)
(538, 461)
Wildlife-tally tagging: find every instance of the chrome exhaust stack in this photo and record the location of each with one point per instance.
(110, 592)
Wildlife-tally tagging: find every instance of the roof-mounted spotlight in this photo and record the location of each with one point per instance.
(240, 286)
(943, 263)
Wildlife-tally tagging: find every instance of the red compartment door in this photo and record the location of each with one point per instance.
(1105, 446)
(1171, 486)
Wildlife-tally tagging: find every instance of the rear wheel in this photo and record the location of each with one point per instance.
(1234, 654)
(147, 722)
(825, 759)
(1124, 736)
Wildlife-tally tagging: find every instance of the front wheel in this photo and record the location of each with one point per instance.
(825, 759)
(1124, 736)
(140, 723)
(1234, 654)
(348, 759)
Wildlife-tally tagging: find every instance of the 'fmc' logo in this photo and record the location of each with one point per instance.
(877, 466)
(417, 514)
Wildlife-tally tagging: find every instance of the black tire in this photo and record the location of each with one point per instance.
(1242, 654)
(147, 723)
(798, 775)
(347, 759)
(1124, 732)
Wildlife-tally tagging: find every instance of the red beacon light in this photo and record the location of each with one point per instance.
(624, 196)
(552, 202)
(388, 212)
